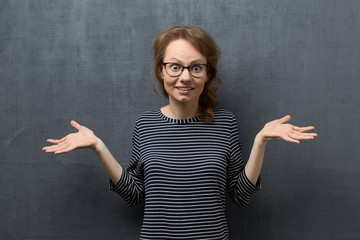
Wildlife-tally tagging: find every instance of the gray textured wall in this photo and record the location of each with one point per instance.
(91, 61)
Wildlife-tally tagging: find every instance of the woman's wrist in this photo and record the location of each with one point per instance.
(260, 139)
(97, 145)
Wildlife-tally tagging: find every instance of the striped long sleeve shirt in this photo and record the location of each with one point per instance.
(182, 168)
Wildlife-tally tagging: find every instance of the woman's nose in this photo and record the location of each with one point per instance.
(185, 75)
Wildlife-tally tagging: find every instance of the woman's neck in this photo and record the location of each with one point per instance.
(180, 111)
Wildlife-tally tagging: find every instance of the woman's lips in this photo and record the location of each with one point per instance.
(184, 88)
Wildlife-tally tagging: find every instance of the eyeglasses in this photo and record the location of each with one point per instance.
(195, 70)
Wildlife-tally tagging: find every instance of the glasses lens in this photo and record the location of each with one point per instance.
(198, 70)
(173, 69)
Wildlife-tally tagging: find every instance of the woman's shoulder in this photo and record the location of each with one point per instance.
(223, 114)
(148, 115)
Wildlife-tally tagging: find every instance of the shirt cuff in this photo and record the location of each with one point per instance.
(250, 187)
(120, 185)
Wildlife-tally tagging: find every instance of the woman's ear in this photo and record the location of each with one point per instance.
(207, 79)
(161, 72)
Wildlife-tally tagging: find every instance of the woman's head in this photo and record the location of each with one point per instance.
(207, 47)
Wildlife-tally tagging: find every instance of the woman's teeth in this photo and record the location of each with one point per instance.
(184, 89)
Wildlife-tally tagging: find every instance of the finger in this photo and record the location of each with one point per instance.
(290, 139)
(306, 138)
(303, 136)
(285, 119)
(55, 141)
(75, 124)
(49, 149)
(62, 149)
(65, 150)
(53, 148)
(304, 129)
(309, 134)
(45, 148)
(305, 133)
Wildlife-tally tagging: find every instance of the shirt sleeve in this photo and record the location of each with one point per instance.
(131, 183)
(240, 188)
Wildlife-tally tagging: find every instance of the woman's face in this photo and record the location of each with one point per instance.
(184, 88)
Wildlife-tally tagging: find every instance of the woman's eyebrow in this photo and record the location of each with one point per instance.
(197, 61)
(173, 59)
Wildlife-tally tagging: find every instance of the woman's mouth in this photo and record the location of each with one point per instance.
(184, 88)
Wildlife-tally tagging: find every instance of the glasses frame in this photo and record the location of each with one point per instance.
(188, 68)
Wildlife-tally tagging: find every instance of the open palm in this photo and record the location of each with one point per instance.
(84, 138)
(279, 129)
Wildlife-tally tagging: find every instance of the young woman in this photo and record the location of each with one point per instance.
(186, 155)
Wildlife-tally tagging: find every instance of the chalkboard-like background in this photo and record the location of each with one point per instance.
(91, 61)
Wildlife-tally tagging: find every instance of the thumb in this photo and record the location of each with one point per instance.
(75, 124)
(285, 119)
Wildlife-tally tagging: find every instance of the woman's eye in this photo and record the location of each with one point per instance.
(174, 67)
(196, 68)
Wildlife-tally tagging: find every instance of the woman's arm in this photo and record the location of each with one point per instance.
(276, 129)
(85, 138)
(112, 167)
(254, 164)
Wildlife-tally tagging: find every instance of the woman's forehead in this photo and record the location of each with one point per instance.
(183, 51)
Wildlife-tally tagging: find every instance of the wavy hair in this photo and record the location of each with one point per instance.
(204, 43)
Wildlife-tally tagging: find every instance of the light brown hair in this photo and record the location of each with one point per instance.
(203, 42)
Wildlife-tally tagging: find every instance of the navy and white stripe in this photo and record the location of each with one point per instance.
(182, 168)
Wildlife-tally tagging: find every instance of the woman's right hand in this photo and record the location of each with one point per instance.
(84, 138)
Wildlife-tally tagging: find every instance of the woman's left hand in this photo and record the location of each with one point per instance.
(279, 129)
